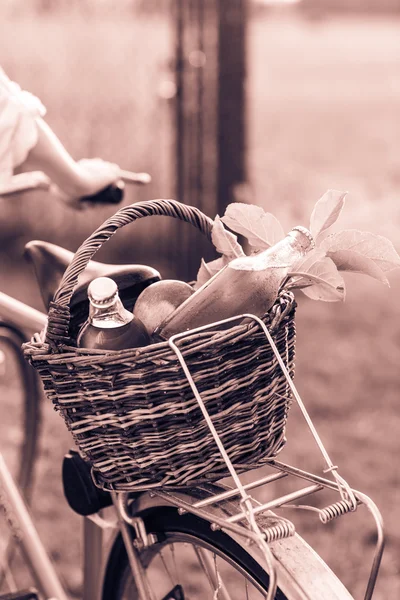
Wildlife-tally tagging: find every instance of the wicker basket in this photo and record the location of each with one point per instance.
(132, 413)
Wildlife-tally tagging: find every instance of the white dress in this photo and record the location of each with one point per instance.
(18, 128)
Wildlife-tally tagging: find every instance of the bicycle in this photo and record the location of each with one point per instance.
(20, 433)
(242, 548)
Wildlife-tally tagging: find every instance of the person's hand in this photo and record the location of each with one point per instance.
(24, 182)
(91, 176)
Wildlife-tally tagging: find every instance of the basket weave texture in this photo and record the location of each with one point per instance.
(132, 412)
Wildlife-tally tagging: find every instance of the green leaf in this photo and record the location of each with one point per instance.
(326, 212)
(348, 260)
(260, 228)
(224, 241)
(322, 281)
(305, 263)
(207, 270)
(377, 248)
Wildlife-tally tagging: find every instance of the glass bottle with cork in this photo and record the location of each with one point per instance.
(109, 325)
(248, 284)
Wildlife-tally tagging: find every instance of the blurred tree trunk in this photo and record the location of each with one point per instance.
(210, 111)
(231, 99)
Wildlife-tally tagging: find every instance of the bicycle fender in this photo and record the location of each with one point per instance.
(301, 572)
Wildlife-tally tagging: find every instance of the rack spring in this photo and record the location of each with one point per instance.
(279, 530)
(335, 510)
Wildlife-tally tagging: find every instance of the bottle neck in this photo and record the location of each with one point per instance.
(284, 253)
(294, 245)
(112, 315)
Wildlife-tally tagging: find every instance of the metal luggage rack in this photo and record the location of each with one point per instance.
(274, 527)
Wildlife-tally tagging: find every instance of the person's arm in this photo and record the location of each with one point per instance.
(27, 141)
(74, 178)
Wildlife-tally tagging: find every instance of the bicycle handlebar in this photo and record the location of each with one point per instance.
(112, 194)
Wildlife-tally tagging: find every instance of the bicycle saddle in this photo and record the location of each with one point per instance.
(49, 262)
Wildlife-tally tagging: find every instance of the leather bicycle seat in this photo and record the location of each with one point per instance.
(50, 261)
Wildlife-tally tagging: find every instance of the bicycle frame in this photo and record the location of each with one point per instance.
(22, 527)
(27, 318)
(27, 537)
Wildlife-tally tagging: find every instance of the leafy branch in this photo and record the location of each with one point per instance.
(317, 274)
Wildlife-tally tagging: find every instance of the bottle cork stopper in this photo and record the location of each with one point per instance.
(102, 290)
(306, 233)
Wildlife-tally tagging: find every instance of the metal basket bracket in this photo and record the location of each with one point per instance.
(349, 498)
(344, 489)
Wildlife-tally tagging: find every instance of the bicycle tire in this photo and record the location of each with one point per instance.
(302, 574)
(171, 528)
(28, 425)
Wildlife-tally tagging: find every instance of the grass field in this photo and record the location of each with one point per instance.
(323, 112)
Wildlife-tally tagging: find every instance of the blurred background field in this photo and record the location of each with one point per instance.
(323, 111)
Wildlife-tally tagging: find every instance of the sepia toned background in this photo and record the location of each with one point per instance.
(322, 94)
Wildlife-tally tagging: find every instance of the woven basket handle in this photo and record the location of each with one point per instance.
(59, 315)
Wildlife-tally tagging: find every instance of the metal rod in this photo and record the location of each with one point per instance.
(293, 389)
(206, 416)
(134, 561)
(231, 493)
(343, 486)
(362, 498)
(214, 579)
(380, 543)
(30, 543)
(17, 312)
(212, 518)
(278, 502)
(92, 559)
(332, 485)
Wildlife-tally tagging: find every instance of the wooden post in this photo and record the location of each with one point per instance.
(231, 99)
(210, 113)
